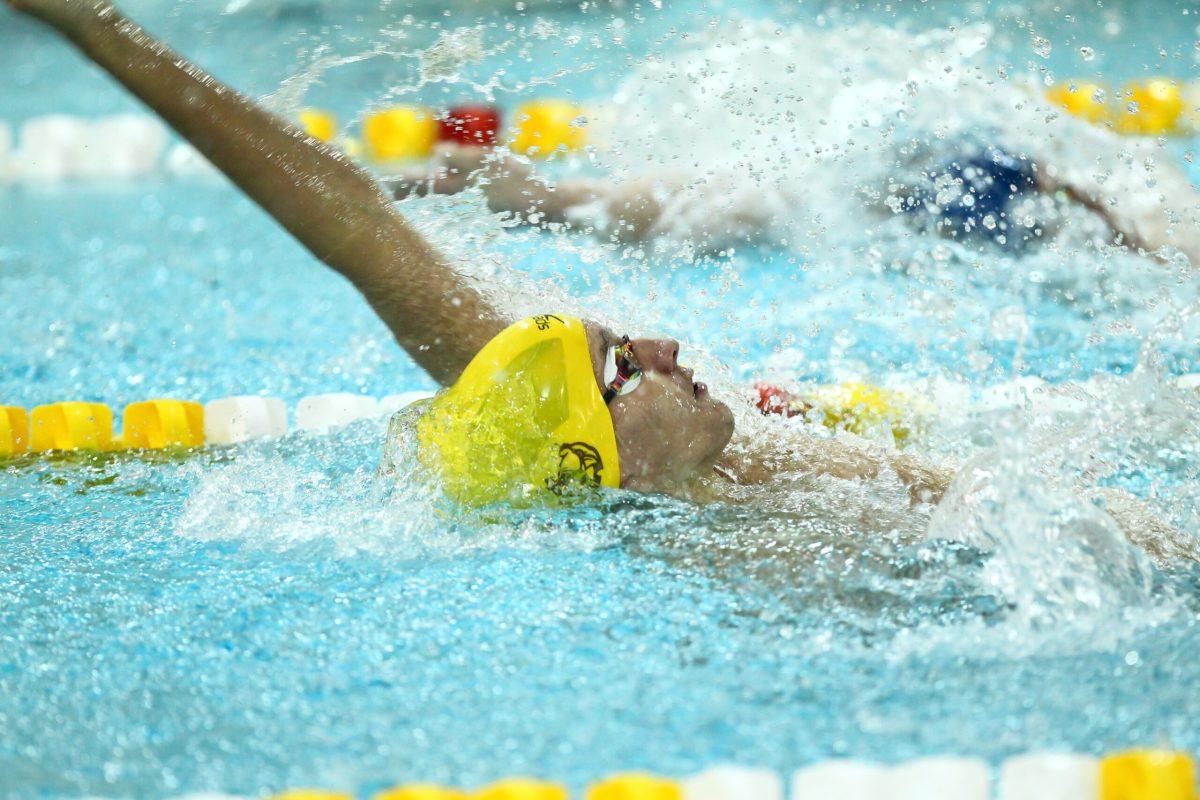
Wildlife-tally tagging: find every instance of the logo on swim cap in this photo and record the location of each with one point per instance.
(578, 463)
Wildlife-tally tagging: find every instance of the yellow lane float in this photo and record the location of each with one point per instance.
(318, 124)
(157, 424)
(852, 406)
(1081, 99)
(400, 134)
(522, 789)
(422, 791)
(862, 409)
(71, 426)
(1151, 108)
(14, 431)
(1148, 775)
(635, 786)
(544, 127)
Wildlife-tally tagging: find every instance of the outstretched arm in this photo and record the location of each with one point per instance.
(847, 458)
(332, 207)
(511, 187)
(1145, 197)
(629, 210)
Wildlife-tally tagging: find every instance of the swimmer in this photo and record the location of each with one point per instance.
(531, 406)
(1002, 187)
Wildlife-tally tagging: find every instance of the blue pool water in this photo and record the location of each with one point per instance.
(273, 614)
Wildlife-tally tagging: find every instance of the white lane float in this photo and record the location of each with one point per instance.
(940, 778)
(6, 151)
(58, 147)
(231, 420)
(49, 148)
(185, 161)
(1050, 776)
(841, 779)
(321, 412)
(731, 782)
(122, 146)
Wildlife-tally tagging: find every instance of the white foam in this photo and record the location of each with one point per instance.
(231, 420)
(1050, 776)
(731, 782)
(1009, 395)
(811, 135)
(394, 402)
(325, 411)
(1190, 381)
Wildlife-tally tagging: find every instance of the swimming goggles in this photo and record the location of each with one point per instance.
(622, 374)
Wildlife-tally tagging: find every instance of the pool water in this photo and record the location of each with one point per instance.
(275, 614)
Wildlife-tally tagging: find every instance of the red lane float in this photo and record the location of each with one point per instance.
(470, 124)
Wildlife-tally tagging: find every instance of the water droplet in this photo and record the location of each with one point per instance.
(1041, 46)
(1087, 53)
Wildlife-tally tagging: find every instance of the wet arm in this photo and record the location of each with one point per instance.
(846, 459)
(1149, 203)
(510, 186)
(331, 206)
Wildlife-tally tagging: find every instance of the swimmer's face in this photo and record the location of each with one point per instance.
(670, 430)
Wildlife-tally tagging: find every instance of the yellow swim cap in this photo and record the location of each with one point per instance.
(525, 416)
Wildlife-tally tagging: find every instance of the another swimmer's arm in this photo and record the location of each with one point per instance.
(1139, 218)
(630, 209)
(1163, 541)
(331, 206)
(509, 185)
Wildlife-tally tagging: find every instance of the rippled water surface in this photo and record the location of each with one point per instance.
(275, 614)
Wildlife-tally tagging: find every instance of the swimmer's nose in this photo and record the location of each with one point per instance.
(657, 355)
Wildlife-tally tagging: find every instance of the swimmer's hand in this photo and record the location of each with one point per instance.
(65, 15)
(508, 184)
(452, 169)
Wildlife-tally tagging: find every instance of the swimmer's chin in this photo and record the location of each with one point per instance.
(701, 489)
(707, 482)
